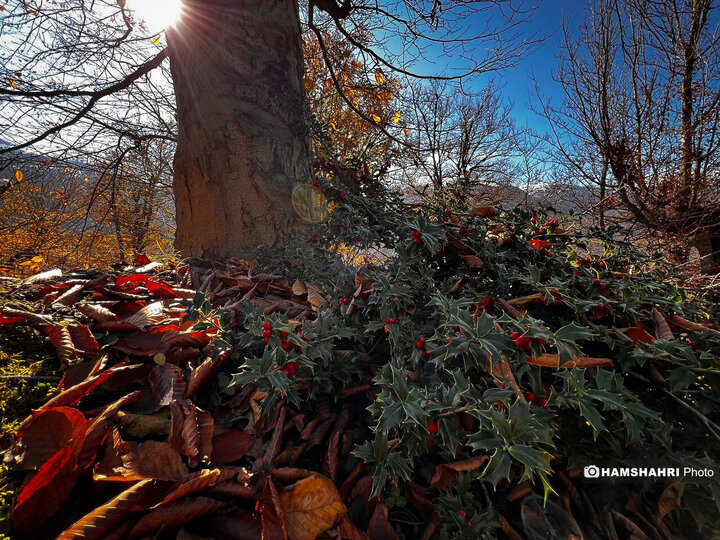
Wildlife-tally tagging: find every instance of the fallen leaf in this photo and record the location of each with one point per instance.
(174, 514)
(46, 492)
(98, 524)
(311, 506)
(379, 526)
(445, 477)
(484, 211)
(44, 434)
(167, 384)
(144, 426)
(230, 446)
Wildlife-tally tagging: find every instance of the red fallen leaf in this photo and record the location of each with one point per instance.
(186, 339)
(98, 524)
(44, 434)
(141, 259)
(159, 289)
(130, 282)
(74, 394)
(149, 315)
(46, 492)
(379, 526)
(201, 374)
(473, 261)
(98, 430)
(638, 334)
(445, 477)
(199, 481)
(167, 384)
(230, 446)
(271, 513)
(177, 419)
(61, 340)
(83, 340)
(10, 320)
(174, 514)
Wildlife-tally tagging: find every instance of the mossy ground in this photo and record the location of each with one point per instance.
(23, 352)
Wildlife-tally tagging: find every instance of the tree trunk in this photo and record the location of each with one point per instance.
(242, 140)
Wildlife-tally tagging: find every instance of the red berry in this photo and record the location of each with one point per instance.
(425, 354)
(530, 396)
(417, 240)
(515, 335)
(448, 340)
(540, 341)
(462, 512)
(267, 326)
(283, 335)
(266, 333)
(523, 343)
(433, 426)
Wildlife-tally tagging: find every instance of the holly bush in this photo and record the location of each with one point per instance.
(498, 352)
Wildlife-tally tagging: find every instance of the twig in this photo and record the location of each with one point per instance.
(38, 378)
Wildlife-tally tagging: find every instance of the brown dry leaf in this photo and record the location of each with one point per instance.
(153, 459)
(272, 514)
(639, 335)
(98, 524)
(44, 434)
(230, 446)
(201, 374)
(174, 514)
(167, 384)
(473, 261)
(670, 499)
(311, 506)
(299, 288)
(553, 361)
(662, 329)
(151, 314)
(98, 430)
(485, 211)
(379, 527)
(61, 340)
(315, 296)
(445, 477)
(96, 312)
(199, 481)
(235, 523)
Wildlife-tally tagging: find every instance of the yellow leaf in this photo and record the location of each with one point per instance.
(376, 118)
(37, 259)
(156, 40)
(312, 506)
(396, 118)
(332, 125)
(12, 83)
(378, 77)
(159, 358)
(18, 176)
(87, 179)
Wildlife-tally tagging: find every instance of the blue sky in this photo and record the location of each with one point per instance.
(542, 61)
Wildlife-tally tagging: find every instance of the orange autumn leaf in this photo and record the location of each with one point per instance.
(18, 176)
(311, 506)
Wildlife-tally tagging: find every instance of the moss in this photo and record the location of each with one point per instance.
(23, 352)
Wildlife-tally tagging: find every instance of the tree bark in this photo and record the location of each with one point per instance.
(242, 139)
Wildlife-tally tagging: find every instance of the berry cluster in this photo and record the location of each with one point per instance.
(416, 237)
(433, 426)
(388, 322)
(603, 310)
(288, 369)
(587, 262)
(538, 400)
(267, 332)
(420, 345)
(463, 513)
(557, 299)
(525, 342)
(604, 289)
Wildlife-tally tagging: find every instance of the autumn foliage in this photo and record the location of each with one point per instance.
(455, 387)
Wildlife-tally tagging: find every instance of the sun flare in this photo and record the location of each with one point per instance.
(157, 14)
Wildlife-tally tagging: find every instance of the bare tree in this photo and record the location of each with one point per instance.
(459, 140)
(639, 118)
(237, 74)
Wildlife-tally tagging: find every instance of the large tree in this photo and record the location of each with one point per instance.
(237, 73)
(639, 120)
